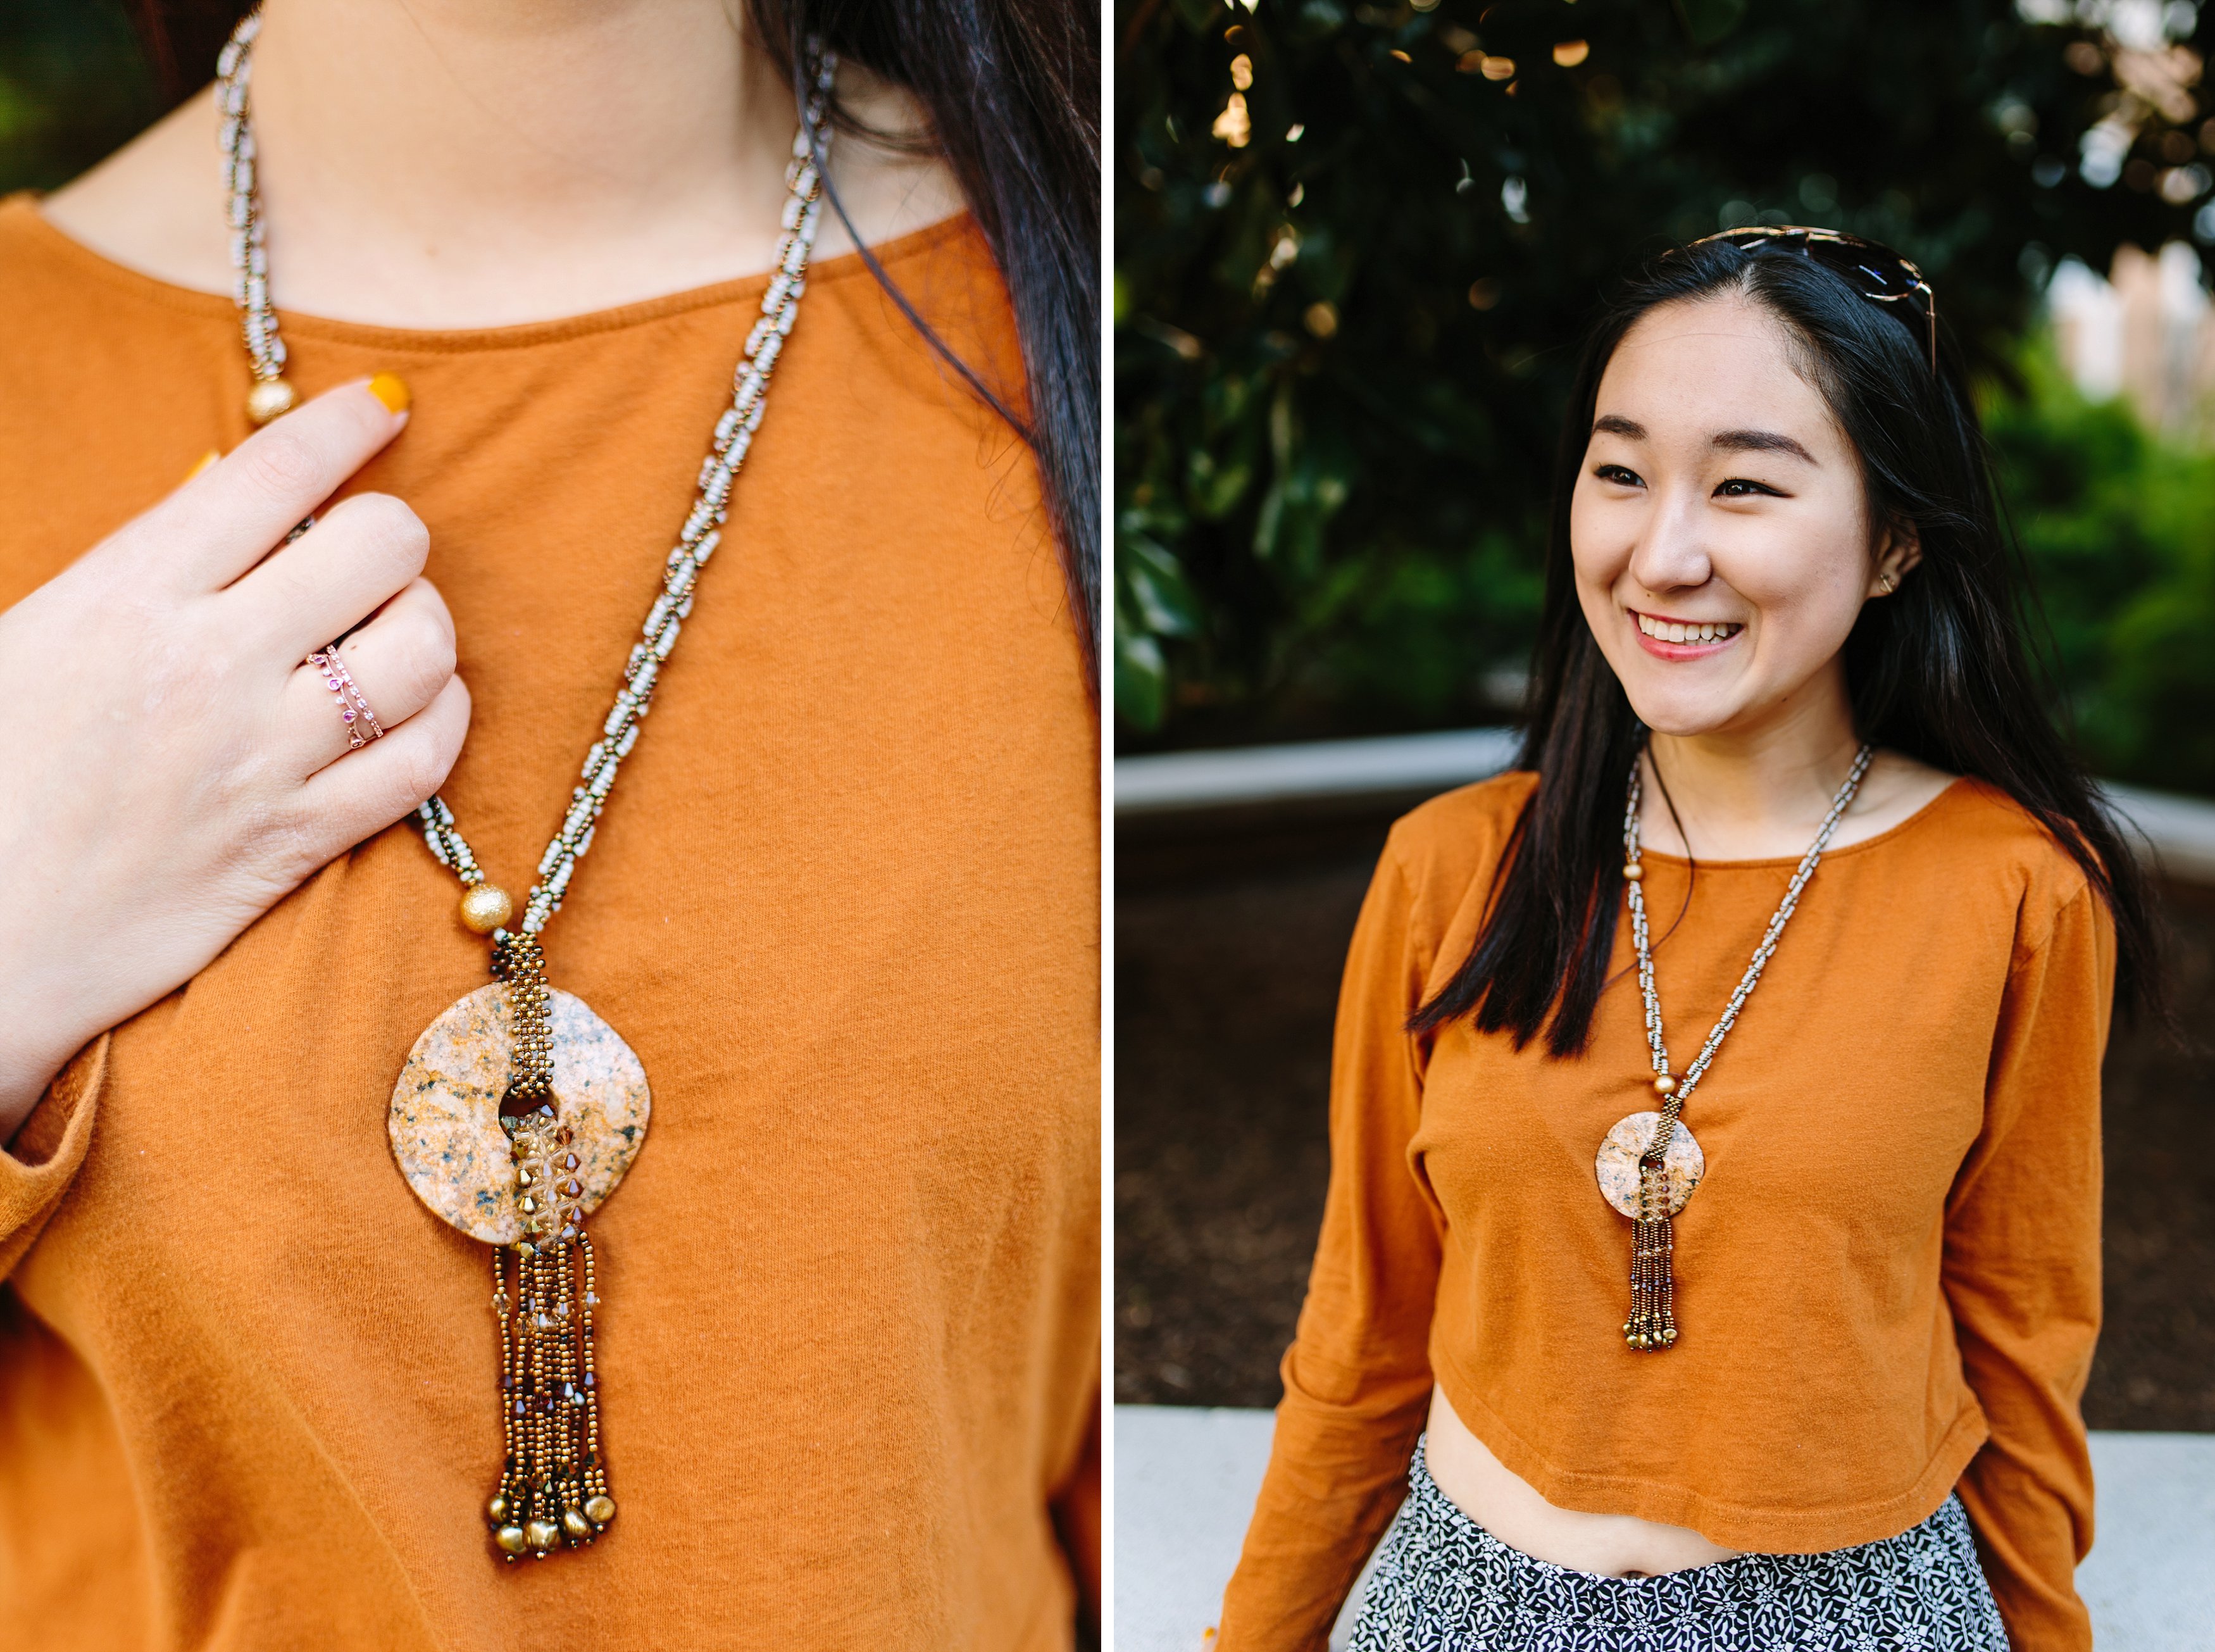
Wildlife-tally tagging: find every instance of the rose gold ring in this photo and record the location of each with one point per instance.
(361, 724)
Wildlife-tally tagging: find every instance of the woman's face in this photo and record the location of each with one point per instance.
(1721, 536)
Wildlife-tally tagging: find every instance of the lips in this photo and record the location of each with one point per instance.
(1663, 628)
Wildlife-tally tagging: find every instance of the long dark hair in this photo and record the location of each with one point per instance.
(1939, 670)
(1011, 91)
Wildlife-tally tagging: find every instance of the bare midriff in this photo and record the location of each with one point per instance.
(1505, 1505)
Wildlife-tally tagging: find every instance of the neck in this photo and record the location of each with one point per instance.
(1752, 791)
(419, 157)
(450, 163)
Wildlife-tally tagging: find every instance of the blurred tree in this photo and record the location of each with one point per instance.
(1357, 242)
(2119, 529)
(75, 85)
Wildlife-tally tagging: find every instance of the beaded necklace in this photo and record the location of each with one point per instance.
(519, 1108)
(1648, 1163)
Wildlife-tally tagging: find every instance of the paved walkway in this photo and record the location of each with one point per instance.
(1184, 1480)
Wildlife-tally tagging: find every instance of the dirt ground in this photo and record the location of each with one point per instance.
(1227, 967)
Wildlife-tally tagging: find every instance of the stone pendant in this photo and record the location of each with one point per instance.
(444, 1120)
(1616, 1166)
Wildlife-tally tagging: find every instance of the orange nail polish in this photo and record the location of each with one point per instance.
(391, 390)
(202, 464)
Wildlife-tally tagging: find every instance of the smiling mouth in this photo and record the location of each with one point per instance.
(1687, 631)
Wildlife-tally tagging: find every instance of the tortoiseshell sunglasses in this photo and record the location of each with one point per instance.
(1877, 271)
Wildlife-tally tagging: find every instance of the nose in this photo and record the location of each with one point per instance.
(1671, 554)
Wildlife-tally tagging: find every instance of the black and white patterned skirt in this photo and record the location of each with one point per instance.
(1443, 1583)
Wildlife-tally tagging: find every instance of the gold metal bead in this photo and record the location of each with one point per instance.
(543, 1534)
(1633, 871)
(510, 1539)
(1664, 1085)
(574, 1523)
(498, 1508)
(270, 398)
(486, 907)
(600, 1509)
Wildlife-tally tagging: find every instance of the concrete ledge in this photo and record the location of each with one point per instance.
(2179, 832)
(1178, 781)
(1186, 1479)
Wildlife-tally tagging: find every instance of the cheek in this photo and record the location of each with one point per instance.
(1804, 587)
(1600, 537)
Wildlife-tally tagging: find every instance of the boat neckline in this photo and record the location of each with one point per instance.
(1953, 787)
(23, 207)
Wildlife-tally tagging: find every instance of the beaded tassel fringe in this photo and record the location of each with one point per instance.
(1653, 1322)
(554, 1481)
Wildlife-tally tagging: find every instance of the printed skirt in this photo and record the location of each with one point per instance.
(1443, 1583)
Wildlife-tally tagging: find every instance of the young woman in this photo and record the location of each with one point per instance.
(1730, 1273)
(720, 1269)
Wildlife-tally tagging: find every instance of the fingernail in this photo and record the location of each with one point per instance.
(202, 464)
(391, 390)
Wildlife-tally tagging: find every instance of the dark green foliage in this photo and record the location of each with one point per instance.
(2119, 531)
(74, 86)
(1340, 360)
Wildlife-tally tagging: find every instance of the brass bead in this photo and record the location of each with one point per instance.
(510, 1539)
(498, 1508)
(544, 1535)
(270, 398)
(485, 908)
(1633, 871)
(600, 1509)
(576, 1524)
(1664, 1085)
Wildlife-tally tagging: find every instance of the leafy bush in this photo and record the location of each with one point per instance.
(2119, 529)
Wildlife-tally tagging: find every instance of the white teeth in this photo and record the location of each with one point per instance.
(1667, 631)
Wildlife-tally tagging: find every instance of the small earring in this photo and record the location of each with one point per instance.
(1887, 584)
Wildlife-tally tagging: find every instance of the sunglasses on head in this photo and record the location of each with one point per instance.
(1877, 272)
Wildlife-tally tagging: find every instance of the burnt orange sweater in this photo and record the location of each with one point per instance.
(844, 904)
(1887, 1283)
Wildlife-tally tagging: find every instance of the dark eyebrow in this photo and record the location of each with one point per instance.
(1614, 424)
(1758, 441)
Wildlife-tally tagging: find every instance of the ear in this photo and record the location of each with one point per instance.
(1898, 549)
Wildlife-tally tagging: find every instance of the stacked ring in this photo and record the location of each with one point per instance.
(354, 709)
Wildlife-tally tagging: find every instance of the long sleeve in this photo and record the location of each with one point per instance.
(38, 1163)
(2022, 1277)
(1357, 1377)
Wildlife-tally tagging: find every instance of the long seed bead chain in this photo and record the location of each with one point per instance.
(1652, 1319)
(735, 434)
(1678, 1091)
(273, 394)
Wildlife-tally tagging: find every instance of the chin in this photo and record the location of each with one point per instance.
(1682, 715)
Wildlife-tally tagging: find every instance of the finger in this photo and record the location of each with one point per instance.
(225, 518)
(399, 662)
(360, 553)
(384, 781)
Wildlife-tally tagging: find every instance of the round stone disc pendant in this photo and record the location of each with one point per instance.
(1616, 1166)
(445, 1120)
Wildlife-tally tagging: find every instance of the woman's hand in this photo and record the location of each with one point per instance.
(171, 766)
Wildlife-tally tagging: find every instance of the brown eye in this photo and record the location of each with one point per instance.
(1617, 473)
